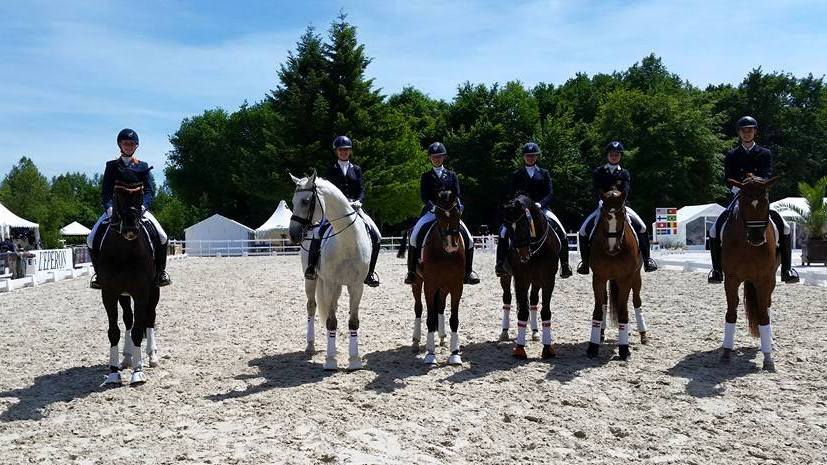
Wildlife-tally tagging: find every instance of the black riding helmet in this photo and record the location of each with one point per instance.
(127, 134)
(437, 149)
(342, 142)
(613, 146)
(530, 148)
(746, 122)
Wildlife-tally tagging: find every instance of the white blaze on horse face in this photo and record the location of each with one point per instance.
(754, 204)
(612, 230)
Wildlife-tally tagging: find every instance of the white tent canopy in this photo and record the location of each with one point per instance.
(779, 206)
(217, 234)
(693, 223)
(9, 220)
(75, 229)
(277, 224)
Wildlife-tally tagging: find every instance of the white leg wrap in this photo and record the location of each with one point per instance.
(311, 329)
(454, 342)
(430, 346)
(506, 316)
(521, 333)
(354, 344)
(547, 332)
(441, 325)
(113, 356)
(150, 341)
(595, 336)
(137, 360)
(331, 344)
(532, 318)
(729, 335)
(641, 321)
(623, 334)
(766, 338)
(417, 329)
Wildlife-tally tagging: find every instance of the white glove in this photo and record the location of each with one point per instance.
(538, 205)
(356, 204)
(109, 212)
(734, 189)
(143, 210)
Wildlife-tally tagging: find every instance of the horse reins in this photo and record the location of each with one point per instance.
(307, 222)
(533, 233)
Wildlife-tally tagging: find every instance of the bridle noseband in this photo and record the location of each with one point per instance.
(307, 221)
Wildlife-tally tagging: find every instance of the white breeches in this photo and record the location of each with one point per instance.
(633, 217)
(551, 216)
(427, 218)
(162, 235)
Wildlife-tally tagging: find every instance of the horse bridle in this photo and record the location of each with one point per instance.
(754, 225)
(307, 221)
(116, 211)
(447, 213)
(615, 234)
(532, 233)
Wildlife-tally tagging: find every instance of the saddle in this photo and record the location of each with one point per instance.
(147, 227)
(732, 210)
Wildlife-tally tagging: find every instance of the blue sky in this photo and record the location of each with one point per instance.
(74, 73)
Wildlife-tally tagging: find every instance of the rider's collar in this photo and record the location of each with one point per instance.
(126, 160)
(530, 169)
(439, 170)
(748, 148)
(612, 168)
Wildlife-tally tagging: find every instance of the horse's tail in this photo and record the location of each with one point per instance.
(614, 296)
(751, 306)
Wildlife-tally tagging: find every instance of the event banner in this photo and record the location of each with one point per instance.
(666, 221)
(41, 262)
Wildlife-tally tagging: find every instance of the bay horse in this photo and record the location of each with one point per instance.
(533, 254)
(616, 261)
(345, 256)
(127, 268)
(749, 256)
(440, 273)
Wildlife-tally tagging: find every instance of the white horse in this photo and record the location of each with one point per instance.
(345, 256)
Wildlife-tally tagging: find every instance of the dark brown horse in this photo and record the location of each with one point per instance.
(749, 256)
(126, 266)
(533, 255)
(615, 260)
(441, 273)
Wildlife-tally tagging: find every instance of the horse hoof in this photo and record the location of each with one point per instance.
(548, 352)
(726, 356)
(519, 353)
(430, 359)
(330, 364)
(504, 336)
(138, 378)
(769, 366)
(644, 339)
(623, 352)
(310, 348)
(535, 335)
(154, 360)
(593, 350)
(454, 359)
(126, 362)
(355, 364)
(113, 377)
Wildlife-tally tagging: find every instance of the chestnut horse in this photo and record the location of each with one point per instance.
(441, 272)
(615, 260)
(533, 255)
(749, 256)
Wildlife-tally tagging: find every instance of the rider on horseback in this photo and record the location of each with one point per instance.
(348, 178)
(604, 178)
(535, 182)
(745, 159)
(129, 169)
(431, 184)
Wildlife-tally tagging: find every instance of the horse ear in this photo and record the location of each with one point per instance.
(296, 180)
(312, 178)
(735, 183)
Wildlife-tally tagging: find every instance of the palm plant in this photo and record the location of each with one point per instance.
(814, 220)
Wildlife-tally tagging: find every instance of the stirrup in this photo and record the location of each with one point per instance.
(471, 278)
(93, 283)
(310, 273)
(650, 265)
(410, 278)
(372, 280)
(162, 279)
(565, 270)
(715, 277)
(582, 268)
(792, 276)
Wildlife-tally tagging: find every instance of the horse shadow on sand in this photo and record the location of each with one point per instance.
(63, 386)
(707, 373)
(279, 371)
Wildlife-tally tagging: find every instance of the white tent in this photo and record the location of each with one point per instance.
(9, 220)
(693, 223)
(217, 235)
(75, 229)
(792, 217)
(277, 224)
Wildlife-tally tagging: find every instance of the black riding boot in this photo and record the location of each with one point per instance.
(372, 280)
(565, 269)
(585, 250)
(502, 256)
(470, 275)
(413, 257)
(788, 273)
(93, 283)
(715, 276)
(161, 276)
(649, 264)
(313, 258)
